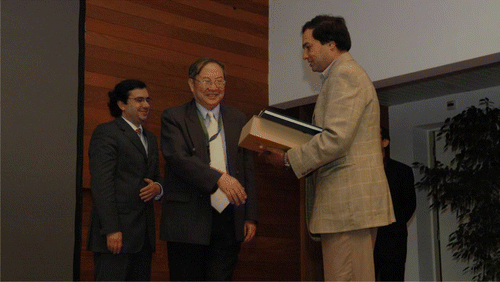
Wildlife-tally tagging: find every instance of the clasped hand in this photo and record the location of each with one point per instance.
(233, 189)
(272, 155)
(150, 191)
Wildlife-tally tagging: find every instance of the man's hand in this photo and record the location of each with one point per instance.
(250, 228)
(233, 189)
(114, 242)
(272, 156)
(149, 192)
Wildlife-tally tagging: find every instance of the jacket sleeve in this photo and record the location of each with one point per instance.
(157, 176)
(102, 165)
(181, 155)
(249, 184)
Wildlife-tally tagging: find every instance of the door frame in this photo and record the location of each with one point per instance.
(429, 254)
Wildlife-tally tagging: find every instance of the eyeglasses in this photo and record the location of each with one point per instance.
(141, 99)
(207, 82)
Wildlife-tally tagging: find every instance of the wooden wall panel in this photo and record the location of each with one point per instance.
(156, 41)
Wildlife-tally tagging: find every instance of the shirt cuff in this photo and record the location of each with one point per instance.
(158, 197)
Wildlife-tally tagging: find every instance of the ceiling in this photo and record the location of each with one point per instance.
(461, 77)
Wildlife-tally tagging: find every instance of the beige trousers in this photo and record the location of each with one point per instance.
(348, 256)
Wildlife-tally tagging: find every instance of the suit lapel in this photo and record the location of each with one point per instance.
(196, 134)
(150, 139)
(231, 133)
(131, 135)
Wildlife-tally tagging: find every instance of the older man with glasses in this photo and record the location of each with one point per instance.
(210, 199)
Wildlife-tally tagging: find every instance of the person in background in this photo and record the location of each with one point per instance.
(350, 193)
(210, 205)
(123, 162)
(391, 243)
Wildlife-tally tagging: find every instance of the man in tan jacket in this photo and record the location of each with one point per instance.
(351, 194)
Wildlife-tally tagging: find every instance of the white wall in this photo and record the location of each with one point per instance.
(389, 37)
(403, 119)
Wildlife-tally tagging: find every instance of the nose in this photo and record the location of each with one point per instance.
(304, 55)
(212, 85)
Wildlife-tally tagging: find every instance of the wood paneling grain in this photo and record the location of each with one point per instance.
(168, 18)
(176, 45)
(147, 63)
(102, 14)
(210, 12)
(241, 68)
(260, 7)
(252, 16)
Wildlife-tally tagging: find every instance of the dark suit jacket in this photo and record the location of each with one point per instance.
(189, 180)
(391, 242)
(404, 201)
(118, 164)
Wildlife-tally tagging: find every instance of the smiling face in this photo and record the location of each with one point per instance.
(319, 56)
(134, 111)
(205, 90)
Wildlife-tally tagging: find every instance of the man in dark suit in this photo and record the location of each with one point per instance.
(123, 162)
(203, 161)
(391, 243)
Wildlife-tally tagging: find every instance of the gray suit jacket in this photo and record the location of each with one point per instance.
(189, 180)
(350, 186)
(118, 164)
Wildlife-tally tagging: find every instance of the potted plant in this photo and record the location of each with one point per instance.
(470, 187)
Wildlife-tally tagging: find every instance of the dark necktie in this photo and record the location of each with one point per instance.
(143, 140)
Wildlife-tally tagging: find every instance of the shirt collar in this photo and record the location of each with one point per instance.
(204, 111)
(324, 75)
(132, 125)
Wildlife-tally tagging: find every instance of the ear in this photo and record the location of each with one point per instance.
(385, 143)
(191, 84)
(332, 45)
(121, 105)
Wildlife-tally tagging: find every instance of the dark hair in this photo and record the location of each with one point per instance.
(196, 67)
(385, 133)
(121, 93)
(327, 29)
